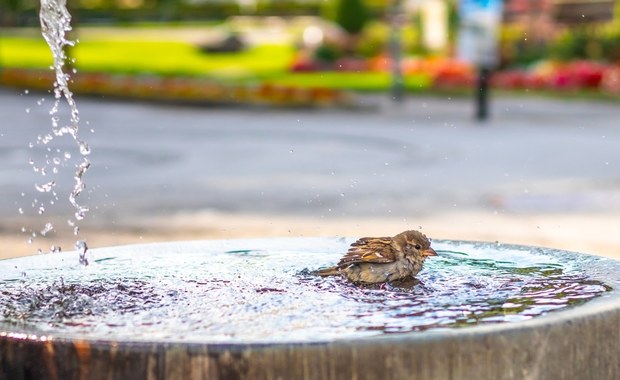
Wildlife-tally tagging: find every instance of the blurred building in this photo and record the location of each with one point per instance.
(536, 16)
(550, 13)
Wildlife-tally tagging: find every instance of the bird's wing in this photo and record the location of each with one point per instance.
(369, 250)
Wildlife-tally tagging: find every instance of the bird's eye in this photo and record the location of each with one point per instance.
(417, 246)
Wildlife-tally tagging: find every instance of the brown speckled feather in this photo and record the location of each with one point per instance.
(369, 250)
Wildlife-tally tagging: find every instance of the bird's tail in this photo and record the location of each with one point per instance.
(332, 271)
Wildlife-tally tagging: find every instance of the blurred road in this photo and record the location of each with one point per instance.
(235, 172)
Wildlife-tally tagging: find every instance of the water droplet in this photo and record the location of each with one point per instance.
(342, 194)
(46, 187)
(81, 213)
(67, 155)
(84, 148)
(20, 210)
(82, 248)
(44, 139)
(27, 110)
(26, 92)
(48, 227)
(81, 169)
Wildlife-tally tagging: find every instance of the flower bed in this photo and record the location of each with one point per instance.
(554, 76)
(181, 89)
(299, 91)
(450, 74)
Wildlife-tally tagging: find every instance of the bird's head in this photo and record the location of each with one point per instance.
(415, 243)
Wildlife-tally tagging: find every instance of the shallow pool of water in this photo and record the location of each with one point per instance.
(236, 291)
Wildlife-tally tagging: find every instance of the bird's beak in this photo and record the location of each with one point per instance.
(429, 252)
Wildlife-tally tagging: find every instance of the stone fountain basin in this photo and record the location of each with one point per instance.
(574, 343)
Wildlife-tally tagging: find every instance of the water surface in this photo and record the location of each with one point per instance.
(245, 292)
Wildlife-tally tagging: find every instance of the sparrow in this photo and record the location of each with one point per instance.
(373, 260)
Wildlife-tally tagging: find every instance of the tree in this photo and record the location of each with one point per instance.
(10, 12)
(351, 15)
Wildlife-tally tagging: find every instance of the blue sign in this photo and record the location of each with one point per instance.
(479, 31)
(467, 6)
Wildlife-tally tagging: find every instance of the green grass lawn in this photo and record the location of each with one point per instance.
(23, 52)
(150, 57)
(267, 63)
(361, 81)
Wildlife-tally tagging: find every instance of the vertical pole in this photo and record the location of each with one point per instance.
(2, 25)
(395, 47)
(0, 49)
(482, 93)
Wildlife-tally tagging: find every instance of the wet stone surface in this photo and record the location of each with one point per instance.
(271, 295)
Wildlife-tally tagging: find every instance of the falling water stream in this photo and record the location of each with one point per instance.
(55, 23)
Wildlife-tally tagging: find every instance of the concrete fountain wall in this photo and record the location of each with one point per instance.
(576, 344)
(582, 342)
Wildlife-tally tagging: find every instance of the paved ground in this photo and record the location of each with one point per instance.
(543, 172)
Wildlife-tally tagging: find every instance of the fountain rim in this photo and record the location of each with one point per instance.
(608, 303)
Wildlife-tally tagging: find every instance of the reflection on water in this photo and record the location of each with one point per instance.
(247, 295)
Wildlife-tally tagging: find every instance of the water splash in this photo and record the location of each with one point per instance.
(82, 248)
(252, 293)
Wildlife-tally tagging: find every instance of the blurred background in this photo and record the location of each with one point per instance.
(472, 119)
(254, 51)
